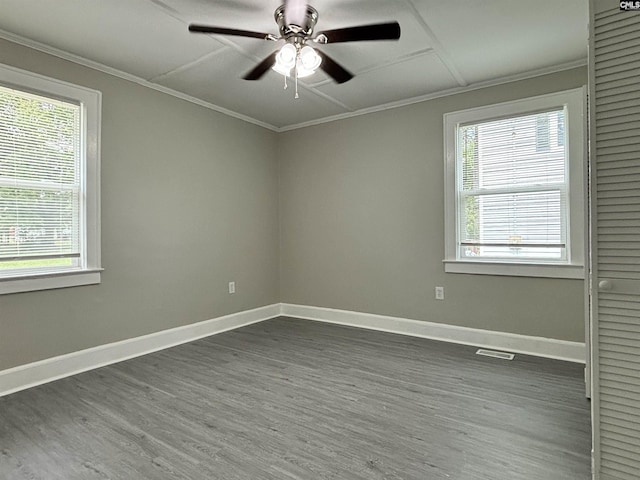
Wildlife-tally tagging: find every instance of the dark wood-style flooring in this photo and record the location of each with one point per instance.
(291, 399)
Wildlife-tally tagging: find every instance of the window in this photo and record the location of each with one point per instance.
(515, 201)
(49, 185)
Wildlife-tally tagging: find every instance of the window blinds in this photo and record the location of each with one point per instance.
(40, 187)
(512, 189)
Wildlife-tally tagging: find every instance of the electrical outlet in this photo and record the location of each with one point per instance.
(232, 287)
(439, 293)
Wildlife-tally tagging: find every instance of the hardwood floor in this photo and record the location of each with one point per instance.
(290, 399)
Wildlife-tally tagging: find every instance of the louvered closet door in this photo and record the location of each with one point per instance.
(615, 130)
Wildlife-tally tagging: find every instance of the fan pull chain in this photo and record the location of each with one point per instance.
(285, 82)
(295, 72)
(295, 69)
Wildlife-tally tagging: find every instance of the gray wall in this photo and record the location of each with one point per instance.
(189, 203)
(362, 221)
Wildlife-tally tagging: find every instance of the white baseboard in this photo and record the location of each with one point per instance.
(32, 374)
(511, 342)
(36, 373)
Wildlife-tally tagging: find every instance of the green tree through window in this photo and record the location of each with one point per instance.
(469, 143)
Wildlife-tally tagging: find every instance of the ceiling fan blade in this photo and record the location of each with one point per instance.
(334, 69)
(228, 31)
(261, 68)
(379, 31)
(295, 12)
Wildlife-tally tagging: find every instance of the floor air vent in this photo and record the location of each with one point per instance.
(493, 353)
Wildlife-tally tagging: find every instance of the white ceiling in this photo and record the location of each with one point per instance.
(446, 46)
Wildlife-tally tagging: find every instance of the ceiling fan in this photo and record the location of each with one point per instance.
(296, 20)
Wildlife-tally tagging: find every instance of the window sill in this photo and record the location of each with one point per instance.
(515, 269)
(48, 281)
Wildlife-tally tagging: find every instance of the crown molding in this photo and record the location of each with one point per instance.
(356, 113)
(443, 93)
(41, 47)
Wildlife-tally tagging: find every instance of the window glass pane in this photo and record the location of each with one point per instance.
(39, 180)
(560, 134)
(543, 135)
(523, 225)
(504, 153)
(512, 203)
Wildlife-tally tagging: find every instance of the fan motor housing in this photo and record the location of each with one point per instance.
(301, 32)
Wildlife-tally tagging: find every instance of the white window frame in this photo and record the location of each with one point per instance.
(89, 271)
(575, 125)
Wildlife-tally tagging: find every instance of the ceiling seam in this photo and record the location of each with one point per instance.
(326, 96)
(176, 15)
(188, 65)
(437, 46)
(167, 8)
(388, 63)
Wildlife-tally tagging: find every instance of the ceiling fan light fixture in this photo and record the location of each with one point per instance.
(281, 70)
(305, 60)
(296, 21)
(286, 59)
(309, 59)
